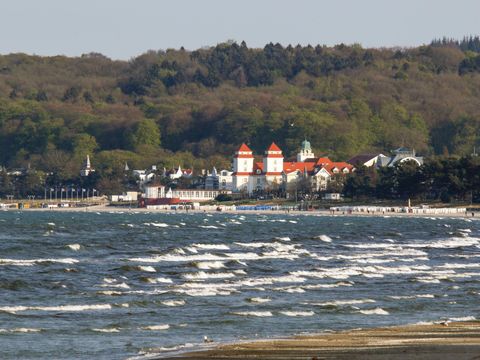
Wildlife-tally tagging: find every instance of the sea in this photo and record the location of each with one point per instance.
(139, 285)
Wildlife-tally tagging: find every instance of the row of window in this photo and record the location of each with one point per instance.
(196, 194)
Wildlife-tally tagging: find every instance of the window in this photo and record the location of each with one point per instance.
(259, 181)
(224, 183)
(245, 180)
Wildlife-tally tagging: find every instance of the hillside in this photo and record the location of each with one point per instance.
(171, 107)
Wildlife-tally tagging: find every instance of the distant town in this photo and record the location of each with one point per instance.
(301, 180)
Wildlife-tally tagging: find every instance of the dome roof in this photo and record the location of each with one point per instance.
(306, 145)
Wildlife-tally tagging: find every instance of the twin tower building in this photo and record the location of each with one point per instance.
(273, 171)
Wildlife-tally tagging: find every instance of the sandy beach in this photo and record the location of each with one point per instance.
(323, 212)
(459, 341)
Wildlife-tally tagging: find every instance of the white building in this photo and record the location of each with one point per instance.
(400, 155)
(273, 172)
(160, 192)
(87, 167)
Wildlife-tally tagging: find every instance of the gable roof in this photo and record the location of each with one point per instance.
(289, 167)
(274, 147)
(244, 147)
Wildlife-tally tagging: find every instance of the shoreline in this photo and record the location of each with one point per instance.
(455, 340)
(326, 212)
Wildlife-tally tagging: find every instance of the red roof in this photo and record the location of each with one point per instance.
(323, 161)
(274, 147)
(244, 152)
(339, 165)
(258, 166)
(289, 167)
(244, 147)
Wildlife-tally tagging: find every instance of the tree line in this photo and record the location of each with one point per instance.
(193, 108)
(443, 179)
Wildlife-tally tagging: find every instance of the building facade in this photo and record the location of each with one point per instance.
(274, 173)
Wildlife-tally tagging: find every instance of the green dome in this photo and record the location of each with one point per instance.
(306, 145)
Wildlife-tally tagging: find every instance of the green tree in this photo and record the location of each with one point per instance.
(146, 132)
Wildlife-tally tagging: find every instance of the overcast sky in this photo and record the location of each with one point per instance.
(123, 29)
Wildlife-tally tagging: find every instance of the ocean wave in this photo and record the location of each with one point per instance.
(290, 289)
(74, 247)
(60, 308)
(450, 243)
(31, 262)
(163, 225)
(376, 311)
(343, 302)
(253, 313)
(207, 265)
(464, 318)
(211, 246)
(411, 297)
(21, 330)
(324, 238)
(173, 302)
(107, 330)
(297, 313)
(156, 327)
(202, 275)
(109, 293)
(119, 285)
(258, 300)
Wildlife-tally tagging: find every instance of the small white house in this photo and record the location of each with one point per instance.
(332, 196)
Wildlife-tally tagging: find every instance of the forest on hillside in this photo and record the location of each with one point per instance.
(194, 108)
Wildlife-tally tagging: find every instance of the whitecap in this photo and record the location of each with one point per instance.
(211, 246)
(173, 302)
(23, 262)
(109, 293)
(162, 225)
(343, 302)
(258, 300)
(205, 275)
(409, 297)
(120, 285)
(147, 268)
(290, 289)
(324, 238)
(21, 330)
(465, 318)
(253, 313)
(297, 313)
(107, 330)
(376, 311)
(60, 308)
(206, 265)
(156, 327)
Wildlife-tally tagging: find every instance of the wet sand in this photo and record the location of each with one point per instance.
(458, 341)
